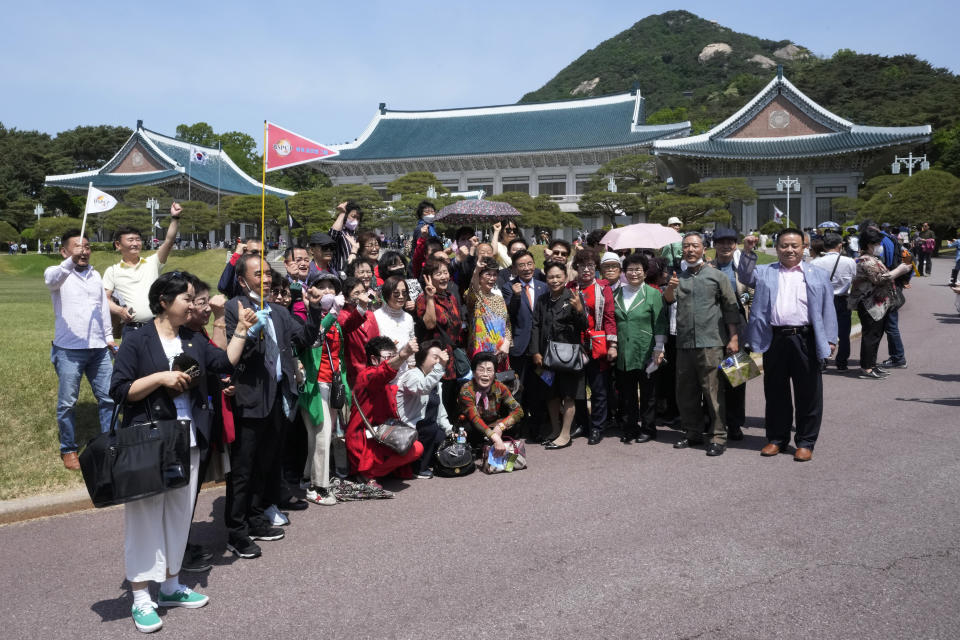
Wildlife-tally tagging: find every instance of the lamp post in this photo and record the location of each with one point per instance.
(153, 205)
(39, 211)
(789, 184)
(910, 161)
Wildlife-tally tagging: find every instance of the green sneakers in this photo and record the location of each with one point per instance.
(146, 618)
(184, 598)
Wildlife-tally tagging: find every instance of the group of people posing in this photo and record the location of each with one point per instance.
(297, 365)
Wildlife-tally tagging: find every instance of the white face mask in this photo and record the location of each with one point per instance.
(878, 251)
(429, 218)
(351, 224)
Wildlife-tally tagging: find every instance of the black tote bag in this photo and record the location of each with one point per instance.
(122, 465)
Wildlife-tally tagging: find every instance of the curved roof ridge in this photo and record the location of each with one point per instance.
(578, 103)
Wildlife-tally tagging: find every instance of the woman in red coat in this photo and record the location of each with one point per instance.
(377, 398)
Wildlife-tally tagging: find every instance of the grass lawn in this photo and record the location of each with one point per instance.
(29, 440)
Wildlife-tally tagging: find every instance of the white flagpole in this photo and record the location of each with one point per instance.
(86, 206)
(189, 163)
(219, 164)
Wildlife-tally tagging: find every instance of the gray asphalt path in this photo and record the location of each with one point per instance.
(612, 541)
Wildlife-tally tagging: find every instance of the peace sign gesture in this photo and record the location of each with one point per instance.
(429, 289)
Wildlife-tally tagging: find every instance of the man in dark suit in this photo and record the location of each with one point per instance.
(520, 293)
(266, 392)
(793, 323)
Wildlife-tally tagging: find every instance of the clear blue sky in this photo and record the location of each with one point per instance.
(321, 67)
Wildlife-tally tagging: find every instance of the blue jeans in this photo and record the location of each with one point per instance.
(894, 343)
(71, 365)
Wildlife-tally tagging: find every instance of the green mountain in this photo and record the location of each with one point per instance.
(691, 68)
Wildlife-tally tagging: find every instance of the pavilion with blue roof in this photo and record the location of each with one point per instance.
(782, 133)
(150, 158)
(548, 148)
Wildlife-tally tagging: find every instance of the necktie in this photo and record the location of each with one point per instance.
(529, 288)
(272, 357)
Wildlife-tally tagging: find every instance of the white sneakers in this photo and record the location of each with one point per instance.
(319, 495)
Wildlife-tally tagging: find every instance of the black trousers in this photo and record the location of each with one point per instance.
(844, 319)
(792, 359)
(870, 338)
(638, 408)
(431, 436)
(532, 396)
(667, 383)
(735, 407)
(254, 468)
(597, 374)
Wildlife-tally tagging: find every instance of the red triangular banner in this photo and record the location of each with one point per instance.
(286, 148)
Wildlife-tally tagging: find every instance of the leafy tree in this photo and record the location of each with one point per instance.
(197, 218)
(540, 213)
(302, 177)
(946, 149)
(729, 190)
(19, 213)
(928, 196)
(313, 210)
(26, 157)
(247, 209)
(54, 227)
(631, 172)
(416, 182)
(57, 200)
(120, 216)
(848, 208)
(137, 197)
(694, 211)
(8, 233)
(198, 133)
(882, 183)
(90, 147)
(242, 149)
(607, 204)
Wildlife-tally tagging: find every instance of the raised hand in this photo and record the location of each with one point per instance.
(429, 289)
(750, 243)
(175, 210)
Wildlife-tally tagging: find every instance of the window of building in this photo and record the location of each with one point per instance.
(581, 182)
(381, 188)
(825, 210)
(475, 184)
(516, 183)
(552, 185)
(453, 184)
(831, 189)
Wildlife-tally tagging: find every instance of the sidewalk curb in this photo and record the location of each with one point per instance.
(56, 504)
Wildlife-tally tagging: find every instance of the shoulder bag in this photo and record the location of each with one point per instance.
(453, 459)
(122, 465)
(563, 356)
(394, 434)
(513, 459)
(338, 390)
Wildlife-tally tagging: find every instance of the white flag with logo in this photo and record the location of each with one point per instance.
(777, 214)
(98, 201)
(198, 156)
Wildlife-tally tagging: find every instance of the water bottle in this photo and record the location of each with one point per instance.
(462, 436)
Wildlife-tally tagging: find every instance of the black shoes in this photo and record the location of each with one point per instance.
(890, 363)
(551, 446)
(596, 435)
(244, 548)
(196, 559)
(267, 533)
(714, 449)
(645, 437)
(686, 443)
(578, 430)
(734, 433)
(872, 375)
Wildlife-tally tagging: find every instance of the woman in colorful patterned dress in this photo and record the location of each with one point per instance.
(489, 320)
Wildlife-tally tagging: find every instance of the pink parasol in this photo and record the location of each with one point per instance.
(471, 211)
(644, 235)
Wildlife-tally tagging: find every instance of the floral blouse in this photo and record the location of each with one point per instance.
(871, 288)
(482, 410)
(489, 321)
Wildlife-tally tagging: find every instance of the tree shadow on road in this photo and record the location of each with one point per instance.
(949, 402)
(942, 377)
(947, 318)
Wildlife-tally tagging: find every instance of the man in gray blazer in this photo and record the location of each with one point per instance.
(794, 325)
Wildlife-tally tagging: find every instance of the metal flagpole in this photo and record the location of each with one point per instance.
(189, 163)
(86, 207)
(263, 205)
(219, 164)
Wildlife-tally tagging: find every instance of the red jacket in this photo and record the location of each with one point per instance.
(607, 322)
(378, 400)
(357, 339)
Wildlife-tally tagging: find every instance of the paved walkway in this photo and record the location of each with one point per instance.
(612, 541)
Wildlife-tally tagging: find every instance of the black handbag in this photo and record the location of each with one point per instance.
(394, 434)
(510, 380)
(563, 356)
(122, 465)
(454, 459)
(338, 390)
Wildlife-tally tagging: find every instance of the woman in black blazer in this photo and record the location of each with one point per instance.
(144, 382)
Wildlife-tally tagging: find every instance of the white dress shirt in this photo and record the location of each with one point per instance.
(846, 269)
(80, 307)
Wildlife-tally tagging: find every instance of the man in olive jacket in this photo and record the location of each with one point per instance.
(707, 324)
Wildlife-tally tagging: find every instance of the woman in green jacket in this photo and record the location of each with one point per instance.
(641, 330)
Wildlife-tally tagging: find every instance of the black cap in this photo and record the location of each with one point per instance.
(322, 239)
(725, 234)
(324, 276)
